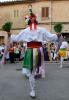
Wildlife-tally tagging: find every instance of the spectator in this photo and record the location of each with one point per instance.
(53, 52)
(0, 55)
(11, 53)
(16, 52)
(46, 53)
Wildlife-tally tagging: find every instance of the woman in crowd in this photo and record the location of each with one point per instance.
(11, 53)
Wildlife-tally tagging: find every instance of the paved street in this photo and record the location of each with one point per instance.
(13, 86)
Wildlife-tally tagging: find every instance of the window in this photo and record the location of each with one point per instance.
(1, 39)
(16, 13)
(45, 12)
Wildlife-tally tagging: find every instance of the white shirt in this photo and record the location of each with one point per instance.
(40, 34)
(64, 45)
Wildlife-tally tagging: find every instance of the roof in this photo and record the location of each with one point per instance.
(24, 1)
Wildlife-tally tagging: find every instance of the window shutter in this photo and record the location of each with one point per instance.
(47, 11)
(43, 12)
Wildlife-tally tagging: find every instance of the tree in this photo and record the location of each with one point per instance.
(58, 27)
(7, 27)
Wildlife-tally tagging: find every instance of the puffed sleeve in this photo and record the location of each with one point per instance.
(49, 36)
(20, 37)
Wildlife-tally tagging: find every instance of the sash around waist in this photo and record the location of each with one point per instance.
(62, 48)
(34, 44)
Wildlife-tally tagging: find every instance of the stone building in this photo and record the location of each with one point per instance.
(48, 13)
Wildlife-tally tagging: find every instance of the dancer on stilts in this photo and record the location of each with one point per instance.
(34, 37)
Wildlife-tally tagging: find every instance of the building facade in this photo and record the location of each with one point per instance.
(48, 13)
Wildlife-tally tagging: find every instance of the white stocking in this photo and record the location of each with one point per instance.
(30, 75)
(42, 71)
(42, 67)
(32, 81)
(61, 62)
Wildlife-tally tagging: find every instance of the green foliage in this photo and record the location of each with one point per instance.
(7, 26)
(58, 27)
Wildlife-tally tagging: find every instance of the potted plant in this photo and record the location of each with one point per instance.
(58, 28)
(7, 27)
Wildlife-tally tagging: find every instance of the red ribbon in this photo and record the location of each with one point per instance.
(33, 23)
(34, 26)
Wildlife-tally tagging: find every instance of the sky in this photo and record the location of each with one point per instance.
(6, 0)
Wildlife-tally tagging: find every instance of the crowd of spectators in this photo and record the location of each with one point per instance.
(15, 53)
(51, 53)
